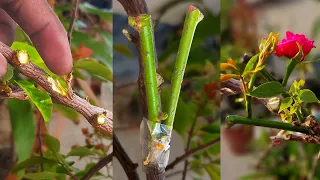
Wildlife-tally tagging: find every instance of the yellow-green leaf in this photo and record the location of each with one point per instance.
(268, 89)
(94, 68)
(225, 77)
(40, 98)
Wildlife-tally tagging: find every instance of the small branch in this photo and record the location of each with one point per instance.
(103, 162)
(233, 119)
(17, 94)
(295, 137)
(40, 139)
(314, 166)
(143, 25)
(191, 153)
(193, 17)
(128, 166)
(73, 20)
(90, 112)
(190, 134)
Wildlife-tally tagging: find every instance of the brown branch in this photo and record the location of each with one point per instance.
(17, 94)
(184, 173)
(103, 162)
(191, 153)
(73, 20)
(128, 166)
(75, 102)
(295, 137)
(315, 163)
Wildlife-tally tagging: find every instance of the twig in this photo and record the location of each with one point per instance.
(17, 94)
(103, 162)
(73, 20)
(192, 152)
(129, 167)
(90, 112)
(193, 17)
(314, 166)
(184, 173)
(295, 137)
(40, 140)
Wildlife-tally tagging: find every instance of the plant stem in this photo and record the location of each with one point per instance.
(143, 24)
(249, 99)
(290, 67)
(232, 119)
(299, 116)
(193, 17)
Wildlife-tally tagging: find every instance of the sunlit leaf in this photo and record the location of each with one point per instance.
(285, 103)
(225, 77)
(40, 98)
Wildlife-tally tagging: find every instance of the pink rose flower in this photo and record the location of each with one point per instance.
(289, 48)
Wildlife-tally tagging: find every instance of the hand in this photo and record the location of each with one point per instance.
(45, 30)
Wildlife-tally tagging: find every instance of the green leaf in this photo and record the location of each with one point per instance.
(94, 68)
(67, 112)
(9, 73)
(81, 151)
(123, 50)
(251, 63)
(306, 95)
(268, 89)
(213, 129)
(40, 98)
(41, 175)
(33, 161)
(185, 112)
(78, 74)
(90, 9)
(285, 103)
(213, 171)
(23, 127)
(52, 143)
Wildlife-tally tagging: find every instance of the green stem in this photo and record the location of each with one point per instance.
(232, 119)
(193, 17)
(249, 99)
(299, 116)
(290, 67)
(143, 24)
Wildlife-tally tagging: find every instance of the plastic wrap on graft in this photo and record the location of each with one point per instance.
(155, 143)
